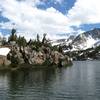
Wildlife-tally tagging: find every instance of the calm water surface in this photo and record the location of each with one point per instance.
(79, 82)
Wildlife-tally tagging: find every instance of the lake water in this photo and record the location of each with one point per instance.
(79, 82)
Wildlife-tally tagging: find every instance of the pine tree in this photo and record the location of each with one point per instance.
(44, 38)
(21, 41)
(38, 38)
(13, 36)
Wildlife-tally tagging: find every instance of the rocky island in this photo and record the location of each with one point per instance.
(33, 53)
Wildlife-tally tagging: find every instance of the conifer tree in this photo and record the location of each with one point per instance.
(13, 36)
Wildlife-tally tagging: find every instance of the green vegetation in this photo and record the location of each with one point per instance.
(36, 44)
(4, 42)
(13, 36)
(21, 41)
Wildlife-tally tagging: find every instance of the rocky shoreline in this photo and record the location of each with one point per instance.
(45, 56)
(21, 57)
(33, 52)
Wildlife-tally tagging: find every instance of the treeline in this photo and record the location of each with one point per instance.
(21, 41)
(35, 44)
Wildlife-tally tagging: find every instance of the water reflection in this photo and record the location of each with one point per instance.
(79, 82)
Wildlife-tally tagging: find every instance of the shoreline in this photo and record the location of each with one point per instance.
(29, 66)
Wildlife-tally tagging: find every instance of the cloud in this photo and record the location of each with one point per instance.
(30, 20)
(84, 12)
(6, 36)
(59, 1)
(33, 2)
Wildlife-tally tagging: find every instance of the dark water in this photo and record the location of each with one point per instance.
(79, 82)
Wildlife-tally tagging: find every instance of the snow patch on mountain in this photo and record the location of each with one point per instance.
(58, 42)
(96, 44)
(90, 42)
(85, 45)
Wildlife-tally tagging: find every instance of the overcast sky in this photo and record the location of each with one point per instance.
(57, 18)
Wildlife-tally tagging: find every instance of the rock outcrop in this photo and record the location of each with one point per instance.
(3, 56)
(4, 61)
(45, 56)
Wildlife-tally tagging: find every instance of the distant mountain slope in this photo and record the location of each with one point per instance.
(80, 42)
(96, 44)
(87, 39)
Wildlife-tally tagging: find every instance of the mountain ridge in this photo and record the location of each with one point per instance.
(82, 41)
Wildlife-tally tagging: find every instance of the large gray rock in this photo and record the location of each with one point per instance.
(59, 59)
(15, 56)
(44, 56)
(4, 61)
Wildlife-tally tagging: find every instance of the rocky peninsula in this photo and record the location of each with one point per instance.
(33, 53)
